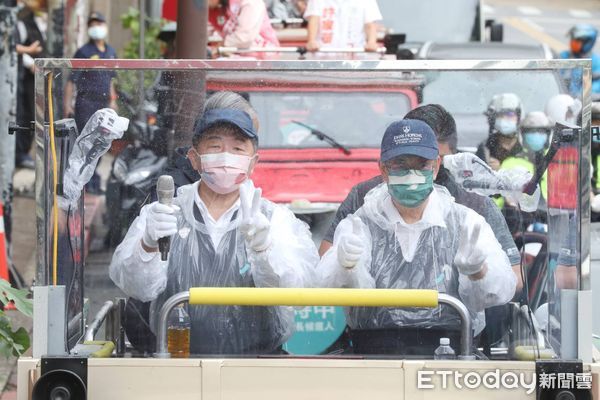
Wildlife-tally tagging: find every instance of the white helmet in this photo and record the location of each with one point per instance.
(536, 120)
(504, 104)
(563, 108)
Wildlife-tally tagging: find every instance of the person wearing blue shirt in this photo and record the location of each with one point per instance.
(583, 38)
(95, 89)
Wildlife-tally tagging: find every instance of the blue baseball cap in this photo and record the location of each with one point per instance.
(409, 137)
(225, 115)
(96, 16)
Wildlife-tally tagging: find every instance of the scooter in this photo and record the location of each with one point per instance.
(134, 170)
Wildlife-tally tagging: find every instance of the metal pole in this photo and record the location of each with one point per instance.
(142, 8)
(162, 350)
(191, 42)
(466, 331)
(97, 322)
(55, 33)
(8, 92)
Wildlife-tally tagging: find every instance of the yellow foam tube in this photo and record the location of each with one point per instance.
(313, 297)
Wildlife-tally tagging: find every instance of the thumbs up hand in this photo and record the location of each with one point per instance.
(350, 247)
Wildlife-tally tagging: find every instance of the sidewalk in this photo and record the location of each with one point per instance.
(24, 257)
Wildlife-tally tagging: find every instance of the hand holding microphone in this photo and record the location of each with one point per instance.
(161, 223)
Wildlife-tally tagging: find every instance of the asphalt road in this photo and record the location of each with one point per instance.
(547, 22)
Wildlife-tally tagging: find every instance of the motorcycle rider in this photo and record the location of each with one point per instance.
(582, 40)
(504, 115)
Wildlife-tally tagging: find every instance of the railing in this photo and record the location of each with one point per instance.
(300, 50)
(314, 297)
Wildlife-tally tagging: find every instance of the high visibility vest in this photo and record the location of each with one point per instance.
(522, 163)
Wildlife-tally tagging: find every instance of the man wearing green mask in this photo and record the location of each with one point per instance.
(410, 234)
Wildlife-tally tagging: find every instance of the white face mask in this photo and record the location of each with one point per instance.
(224, 172)
(97, 32)
(506, 126)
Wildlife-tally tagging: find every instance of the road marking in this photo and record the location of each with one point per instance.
(529, 10)
(542, 37)
(580, 13)
(533, 24)
(567, 21)
(487, 9)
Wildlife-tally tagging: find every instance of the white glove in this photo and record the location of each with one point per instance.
(350, 247)
(596, 203)
(255, 226)
(471, 254)
(160, 222)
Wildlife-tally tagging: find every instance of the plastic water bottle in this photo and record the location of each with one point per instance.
(178, 333)
(444, 351)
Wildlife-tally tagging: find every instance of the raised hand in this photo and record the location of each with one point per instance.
(255, 226)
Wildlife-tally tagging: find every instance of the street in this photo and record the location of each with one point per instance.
(536, 22)
(542, 21)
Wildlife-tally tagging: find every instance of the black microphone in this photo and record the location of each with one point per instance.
(165, 190)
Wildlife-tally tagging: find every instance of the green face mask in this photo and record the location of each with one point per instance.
(410, 188)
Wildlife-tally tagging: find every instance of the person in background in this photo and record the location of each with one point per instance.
(93, 90)
(285, 9)
(410, 234)
(242, 23)
(582, 40)
(342, 23)
(31, 30)
(504, 115)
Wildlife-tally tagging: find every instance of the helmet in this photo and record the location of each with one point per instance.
(583, 38)
(504, 103)
(536, 128)
(563, 108)
(536, 120)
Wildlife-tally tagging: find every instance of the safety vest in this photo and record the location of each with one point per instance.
(522, 163)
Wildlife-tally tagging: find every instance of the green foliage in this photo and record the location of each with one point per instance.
(128, 81)
(14, 342)
(131, 21)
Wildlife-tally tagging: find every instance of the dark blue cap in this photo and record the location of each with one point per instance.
(96, 16)
(226, 115)
(409, 137)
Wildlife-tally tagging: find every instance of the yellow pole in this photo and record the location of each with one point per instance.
(314, 297)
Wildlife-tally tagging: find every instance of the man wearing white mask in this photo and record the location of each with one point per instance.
(223, 234)
(95, 89)
(410, 234)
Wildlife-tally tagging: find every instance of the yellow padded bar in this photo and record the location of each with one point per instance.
(313, 297)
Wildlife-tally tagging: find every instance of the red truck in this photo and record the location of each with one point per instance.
(319, 137)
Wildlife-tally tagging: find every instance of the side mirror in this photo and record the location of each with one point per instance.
(496, 30)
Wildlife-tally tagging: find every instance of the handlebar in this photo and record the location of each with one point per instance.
(314, 297)
(99, 318)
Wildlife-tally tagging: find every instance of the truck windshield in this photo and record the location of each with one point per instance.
(353, 119)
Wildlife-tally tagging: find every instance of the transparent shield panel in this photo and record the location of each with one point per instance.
(498, 226)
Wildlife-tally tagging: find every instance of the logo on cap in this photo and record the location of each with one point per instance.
(408, 138)
(406, 129)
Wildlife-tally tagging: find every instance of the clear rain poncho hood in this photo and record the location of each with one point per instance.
(194, 262)
(383, 265)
